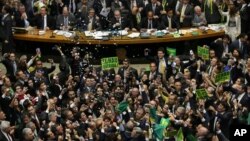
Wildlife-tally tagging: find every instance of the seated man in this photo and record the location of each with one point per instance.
(21, 17)
(168, 21)
(66, 20)
(119, 22)
(92, 21)
(149, 22)
(199, 17)
(43, 20)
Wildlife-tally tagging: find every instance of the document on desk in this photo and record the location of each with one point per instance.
(88, 33)
(134, 35)
(105, 12)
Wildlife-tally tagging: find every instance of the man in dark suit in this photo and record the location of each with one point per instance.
(44, 70)
(10, 63)
(5, 131)
(119, 22)
(211, 11)
(222, 46)
(6, 29)
(98, 6)
(162, 62)
(240, 44)
(43, 20)
(150, 22)
(21, 18)
(244, 16)
(185, 13)
(169, 21)
(66, 20)
(71, 4)
(153, 72)
(126, 71)
(155, 8)
(92, 21)
(136, 18)
(129, 4)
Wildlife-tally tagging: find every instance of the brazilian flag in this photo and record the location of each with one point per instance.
(122, 106)
(179, 136)
(159, 129)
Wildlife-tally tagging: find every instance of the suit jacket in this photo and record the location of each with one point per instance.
(95, 23)
(219, 48)
(236, 45)
(199, 20)
(10, 68)
(38, 21)
(60, 20)
(164, 22)
(19, 22)
(6, 28)
(155, 74)
(3, 138)
(157, 12)
(189, 12)
(214, 16)
(124, 23)
(134, 23)
(127, 4)
(144, 23)
(244, 18)
(132, 71)
(98, 6)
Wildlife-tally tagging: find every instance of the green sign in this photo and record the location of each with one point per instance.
(201, 94)
(171, 51)
(110, 62)
(203, 52)
(222, 77)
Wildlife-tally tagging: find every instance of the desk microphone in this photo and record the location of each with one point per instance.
(52, 35)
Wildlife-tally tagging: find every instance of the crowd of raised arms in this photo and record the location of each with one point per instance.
(175, 99)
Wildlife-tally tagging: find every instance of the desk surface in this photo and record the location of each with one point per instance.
(115, 40)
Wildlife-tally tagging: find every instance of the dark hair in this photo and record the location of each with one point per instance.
(161, 49)
(7, 8)
(242, 35)
(227, 37)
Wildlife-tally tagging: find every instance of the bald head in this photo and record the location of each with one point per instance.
(197, 10)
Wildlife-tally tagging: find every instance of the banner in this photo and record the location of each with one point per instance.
(222, 77)
(201, 94)
(203, 52)
(171, 51)
(110, 62)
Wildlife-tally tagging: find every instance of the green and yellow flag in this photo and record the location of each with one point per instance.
(179, 136)
(160, 128)
(122, 106)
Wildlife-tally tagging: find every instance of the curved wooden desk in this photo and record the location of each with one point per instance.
(115, 40)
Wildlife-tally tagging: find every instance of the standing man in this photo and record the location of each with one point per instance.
(185, 13)
(6, 30)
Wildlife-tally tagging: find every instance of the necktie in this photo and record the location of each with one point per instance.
(9, 137)
(65, 21)
(162, 66)
(150, 24)
(182, 13)
(138, 18)
(154, 8)
(90, 25)
(169, 23)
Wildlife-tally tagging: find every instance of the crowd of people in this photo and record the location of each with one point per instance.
(83, 102)
(133, 15)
